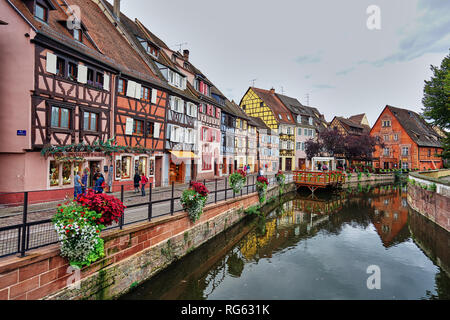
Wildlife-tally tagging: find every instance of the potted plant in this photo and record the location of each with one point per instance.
(237, 180)
(281, 178)
(194, 199)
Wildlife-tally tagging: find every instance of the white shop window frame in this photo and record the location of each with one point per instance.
(61, 185)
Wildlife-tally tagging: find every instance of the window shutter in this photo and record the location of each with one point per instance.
(129, 126)
(154, 95)
(82, 74)
(51, 63)
(137, 91)
(181, 106)
(131, 88)
(156, 129)
(106, 82)
(172, 133)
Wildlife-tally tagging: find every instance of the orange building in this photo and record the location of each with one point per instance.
(409, 142)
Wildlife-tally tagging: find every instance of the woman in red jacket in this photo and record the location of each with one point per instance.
(144, 180)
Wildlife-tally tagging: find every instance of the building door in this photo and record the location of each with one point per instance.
(301, 164)
(288, 164)
(224, 166)
(158, 171)
(386, 165)
(94, 166)
(177, 172)
(281, 164)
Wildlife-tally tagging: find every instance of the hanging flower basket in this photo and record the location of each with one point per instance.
(261, 187)
(237, 180)
(194, 199)
(79, 232)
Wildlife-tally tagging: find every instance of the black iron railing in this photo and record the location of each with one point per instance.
(18, 238)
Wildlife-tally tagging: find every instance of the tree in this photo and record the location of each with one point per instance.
(312, 148)
(359, 147)
(436, 95)
(332, 141)
(436, 101)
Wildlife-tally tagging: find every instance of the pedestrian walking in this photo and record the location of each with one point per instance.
(144, 180)
(84, 180)
(99, 183)
(77, 185)
(137, 180)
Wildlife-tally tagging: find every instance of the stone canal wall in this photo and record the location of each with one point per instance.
(430, 197)
(373, 177)
(133, 255)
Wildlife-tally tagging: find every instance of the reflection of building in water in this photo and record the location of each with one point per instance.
(431, 238)
(319, 206)
(391, 215)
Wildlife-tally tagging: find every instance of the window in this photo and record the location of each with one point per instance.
(54, 174)
(310, 120)
(305, 132)
(121, 87)
(41, 12)
(279, 116)
(126, 167)
(244, 125)
(205, 134)
(386, 151)
(99, 79)
(386, 123)
(90, 121)
(386, 138)
(142, 165)
(66, 172)
(405, 165)
(405, 151)
(90, 76)
(396, 137)
(60, 67)
(288, 117)
(145, 93)
(77, 34)
(73, 71)
(429, 153)
(60, 118)
(150, 129)
(299, 119)
(299, 145)
(310, 132)
(138, 127)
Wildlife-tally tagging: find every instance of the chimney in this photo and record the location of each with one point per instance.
(186, 54)
(116, 9)
(272, 90)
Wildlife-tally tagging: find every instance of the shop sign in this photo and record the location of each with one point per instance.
(21, 132)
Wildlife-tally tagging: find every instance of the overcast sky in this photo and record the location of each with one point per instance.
(320, 48)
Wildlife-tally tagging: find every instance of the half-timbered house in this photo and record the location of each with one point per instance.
(266, 105)
(179, 146)
(69, 105)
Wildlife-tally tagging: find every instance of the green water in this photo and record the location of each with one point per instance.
(317, 248)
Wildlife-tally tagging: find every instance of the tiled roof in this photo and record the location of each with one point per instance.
(416, 127)
(103, 43)
(275, 104)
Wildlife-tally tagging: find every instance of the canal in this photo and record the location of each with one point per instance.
(331, 246)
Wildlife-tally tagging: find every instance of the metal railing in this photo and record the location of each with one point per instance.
(20, 237)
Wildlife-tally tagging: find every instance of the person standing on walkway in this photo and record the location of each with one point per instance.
(136, 179)
(144, 180)
(77, 185)
(99, 183)
(84, 180)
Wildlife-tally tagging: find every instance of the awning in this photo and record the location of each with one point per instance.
(183, 154)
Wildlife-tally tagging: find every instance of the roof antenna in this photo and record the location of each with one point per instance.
(282, 90)
(180, 44)
(307, 99)
(253, 82)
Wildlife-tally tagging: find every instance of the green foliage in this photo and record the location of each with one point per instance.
(432, 187)
(237, 181)
(253, 210)
(193, 202)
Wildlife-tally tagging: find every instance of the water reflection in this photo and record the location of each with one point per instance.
(317, 248)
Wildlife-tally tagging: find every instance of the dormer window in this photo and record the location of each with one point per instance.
(174, 58)
(310, 120)
(41, 12)
(77, 34)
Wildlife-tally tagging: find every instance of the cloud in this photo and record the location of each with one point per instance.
(309, 58)
(429, 34)
(323, 86)
(345, 71)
